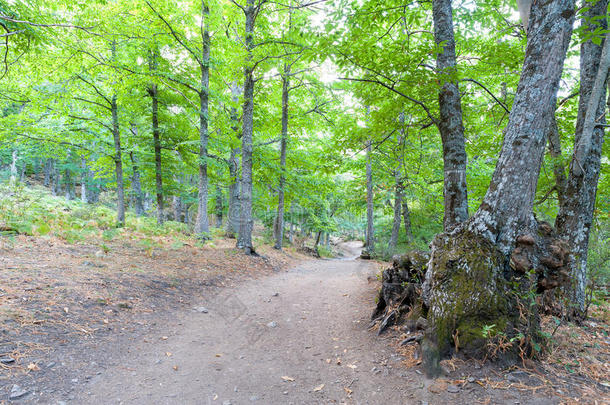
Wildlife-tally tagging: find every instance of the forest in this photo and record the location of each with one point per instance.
(462, 141)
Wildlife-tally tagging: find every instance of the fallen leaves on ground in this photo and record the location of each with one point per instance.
(52, 290)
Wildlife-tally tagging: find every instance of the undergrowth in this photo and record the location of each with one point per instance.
(34, 211)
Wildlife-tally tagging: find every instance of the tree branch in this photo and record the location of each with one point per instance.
(500, 103)
(391, 88)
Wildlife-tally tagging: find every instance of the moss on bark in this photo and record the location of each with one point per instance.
(465, 291)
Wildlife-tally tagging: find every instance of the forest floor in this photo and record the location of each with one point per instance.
(193, 325)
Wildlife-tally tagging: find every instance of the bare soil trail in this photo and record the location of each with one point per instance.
(296, 337)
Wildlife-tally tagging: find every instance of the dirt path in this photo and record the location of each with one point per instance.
(299, 337)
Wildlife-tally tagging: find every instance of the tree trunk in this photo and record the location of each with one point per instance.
(69, 186)
(292, 219)
(370, 209)
(469, 282)
(37, 166)
(501, 216)
(247, 222)
(278, 229)
(118, 162)
(450, 124)
(177, 206)
(576, 210)
(219, 206)
(56, 180)
(13, 178)
(137, 186)
(154, 96)
(406, 217)
(22, 171)
(397, 189)
(48, 172)
(187, 214)
(83, 180)
(234, 206)
(202, 226)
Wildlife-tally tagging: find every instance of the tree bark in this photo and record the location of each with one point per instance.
(397, 214)
(187, 214)
(13, 178)
(278, 229)
(154, 96)
(398, 186)
(177, 206)
(576, 209)
(469, 280)
(22, 171)
(450, 124)
(292, 227)
(202, 226)
(118, 162)
(406, 217)
(84, 195)
(397, 195)
(501, 216)
(219, 206)
(137, 186)
(48, 171)
(247, 222)
(69, 188)
(234, 205)
(55, 182)
(370, 209)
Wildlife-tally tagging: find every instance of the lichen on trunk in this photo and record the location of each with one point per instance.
(474, 292)
(465, 290)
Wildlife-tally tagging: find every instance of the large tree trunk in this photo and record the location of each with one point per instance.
(118, 162)
(473, 270)
(247, 222)
(576, 209)
(501, 216)
(137, 186)
(278, 229)
(450, 123)
(202, 226)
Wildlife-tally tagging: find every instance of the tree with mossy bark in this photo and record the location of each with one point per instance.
(486, 270)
